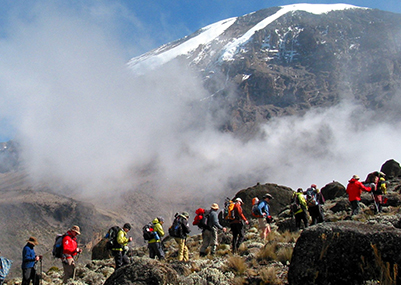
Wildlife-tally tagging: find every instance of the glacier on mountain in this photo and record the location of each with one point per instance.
(212, 32)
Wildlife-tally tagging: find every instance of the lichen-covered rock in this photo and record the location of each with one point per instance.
(143, 271)
(344, 253)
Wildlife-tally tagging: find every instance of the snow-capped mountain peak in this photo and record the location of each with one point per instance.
(230, 46)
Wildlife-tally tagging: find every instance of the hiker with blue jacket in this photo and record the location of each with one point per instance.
(314, 201)
(29, 259)
(209, 233)
(154, 245)
(264, 210)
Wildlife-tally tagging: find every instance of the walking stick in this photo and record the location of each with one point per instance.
(41, 270)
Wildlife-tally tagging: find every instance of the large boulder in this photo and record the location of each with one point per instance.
(333, 190)
(391, 168)
(281, 194)
(144, 271)
(345, 253)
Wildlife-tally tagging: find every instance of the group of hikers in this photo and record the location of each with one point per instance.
(69, 250)
(303, 202)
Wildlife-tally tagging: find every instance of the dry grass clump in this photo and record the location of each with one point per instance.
(269, 276)
(238, 280)
(388, 273)
(236, 264)
(289, 237)
(284, 254)
(268, 252)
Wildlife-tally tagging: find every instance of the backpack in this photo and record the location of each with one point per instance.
(229, 213)
(295, 206)
(255, 210)
(149, 232)
(58, 246)
(111, 237)
(201, 219)
(175, 230)
(311, 201)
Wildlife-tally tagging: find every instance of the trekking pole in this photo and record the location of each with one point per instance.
(41, 270)
(374, 201)
(75, 267)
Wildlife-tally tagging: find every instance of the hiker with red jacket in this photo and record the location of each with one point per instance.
(354, 191)
(237, 226)
(70, 249)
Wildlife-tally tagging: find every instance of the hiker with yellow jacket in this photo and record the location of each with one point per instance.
(300, 213)
(119, 251)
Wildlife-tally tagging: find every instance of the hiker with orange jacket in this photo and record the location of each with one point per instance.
(237, 226)
(354, 191)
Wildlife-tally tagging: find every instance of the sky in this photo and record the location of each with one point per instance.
(82, 118)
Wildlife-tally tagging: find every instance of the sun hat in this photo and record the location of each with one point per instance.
(267, 196)
(215, 206)
(33, 240)
(76, 229)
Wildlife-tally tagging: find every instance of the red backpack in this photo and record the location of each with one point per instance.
(200, 219)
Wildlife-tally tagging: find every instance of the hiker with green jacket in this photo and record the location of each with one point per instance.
(154, 245)
(119, 251)
(301, 213)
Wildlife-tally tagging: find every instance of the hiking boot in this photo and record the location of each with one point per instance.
(213, 250)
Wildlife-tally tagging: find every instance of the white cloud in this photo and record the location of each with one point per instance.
(83, 119)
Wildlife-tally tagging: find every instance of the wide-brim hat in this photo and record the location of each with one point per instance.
(33, 240)
(76, 229)
(215, 206)
(268, 196)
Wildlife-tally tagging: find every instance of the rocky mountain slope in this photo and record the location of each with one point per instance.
(285, 60)
(363, 249)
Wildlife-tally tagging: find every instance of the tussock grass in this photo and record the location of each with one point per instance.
(237, 265)
(268, 252)
(269, 276)
(388, 273)
(239, 281)
(288, 236)
(284, 254)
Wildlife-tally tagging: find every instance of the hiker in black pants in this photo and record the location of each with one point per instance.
(119, 250)
(237, 226)
(29, 259)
